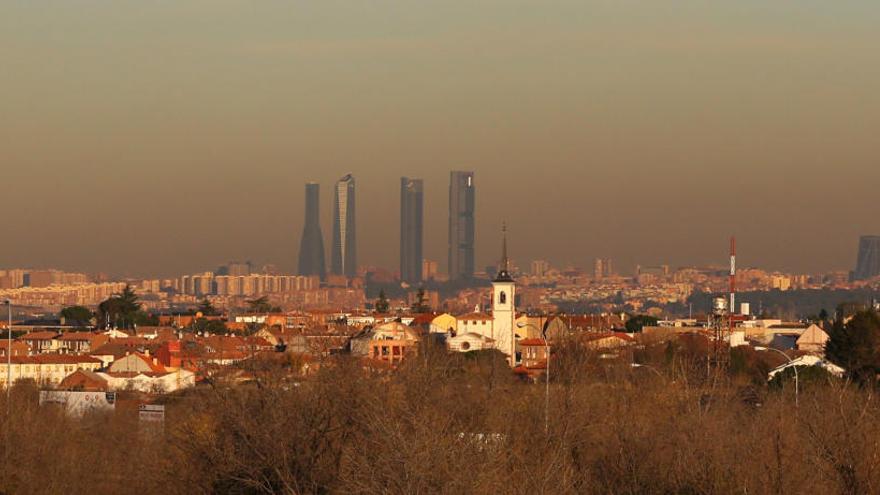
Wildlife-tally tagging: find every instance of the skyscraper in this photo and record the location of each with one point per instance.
(411, 206)
(461, 225)
(344, 261)
(868, 265)
(311, 248)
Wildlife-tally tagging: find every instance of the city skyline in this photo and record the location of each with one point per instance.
(572, 246)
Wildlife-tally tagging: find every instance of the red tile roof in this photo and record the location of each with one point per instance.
(39, 336)
(78, 336)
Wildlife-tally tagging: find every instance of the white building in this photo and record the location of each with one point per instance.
(499, 328)
(469, 342)
(169, 381)
(808, 360)
(47, 369)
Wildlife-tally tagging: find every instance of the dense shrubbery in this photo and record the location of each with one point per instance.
(452, 424)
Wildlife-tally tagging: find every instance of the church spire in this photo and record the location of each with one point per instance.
(504, 272)
(504, 259)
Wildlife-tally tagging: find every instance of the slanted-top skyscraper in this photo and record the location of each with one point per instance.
(461, 225)
(311, 248)
(868, 265)
(411, 208)
(344, 261)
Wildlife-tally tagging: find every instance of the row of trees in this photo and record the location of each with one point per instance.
(463, 424)
(420, 306)
(122, 310)
(125, 311)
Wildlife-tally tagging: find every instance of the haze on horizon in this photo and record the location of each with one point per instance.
(161, 138)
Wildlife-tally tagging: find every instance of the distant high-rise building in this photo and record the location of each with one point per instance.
(236, 269)
(603, 268)
(461, 225)
(540, 267)
(411, 206)
(311, 248)
(344, 261)
(868, 265)
(429, 270)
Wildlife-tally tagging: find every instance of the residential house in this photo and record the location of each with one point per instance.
(47, 369)
(137, 363)
(533, 353)
(80, 342)
(41, 342)
(813, 340)
(444, 323)
(391, 342)
(110, 352)
(18, 348)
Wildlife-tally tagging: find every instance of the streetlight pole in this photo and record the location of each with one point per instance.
(791, 362)
(8, 353)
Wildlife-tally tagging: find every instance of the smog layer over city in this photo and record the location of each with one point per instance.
(439, 247)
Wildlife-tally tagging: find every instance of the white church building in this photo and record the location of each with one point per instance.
(497, 329)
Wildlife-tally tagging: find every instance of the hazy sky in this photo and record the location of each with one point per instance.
(161, 137)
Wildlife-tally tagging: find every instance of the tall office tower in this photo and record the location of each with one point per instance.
(344, 260)
(461, 225)
(238, 268)
(311, 248)
(411, 205)
(429, 270)
(540, 268)
(868, 265)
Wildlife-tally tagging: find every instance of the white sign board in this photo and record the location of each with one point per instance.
(152, 413)
(78, 403)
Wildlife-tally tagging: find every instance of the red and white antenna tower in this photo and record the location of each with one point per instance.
(732, 275)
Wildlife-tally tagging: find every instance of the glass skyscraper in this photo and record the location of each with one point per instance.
(461, 225)
(868, 265)
(311, 248)
(411, 232)
(344, 261)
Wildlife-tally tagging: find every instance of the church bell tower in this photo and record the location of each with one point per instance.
(504, 306)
